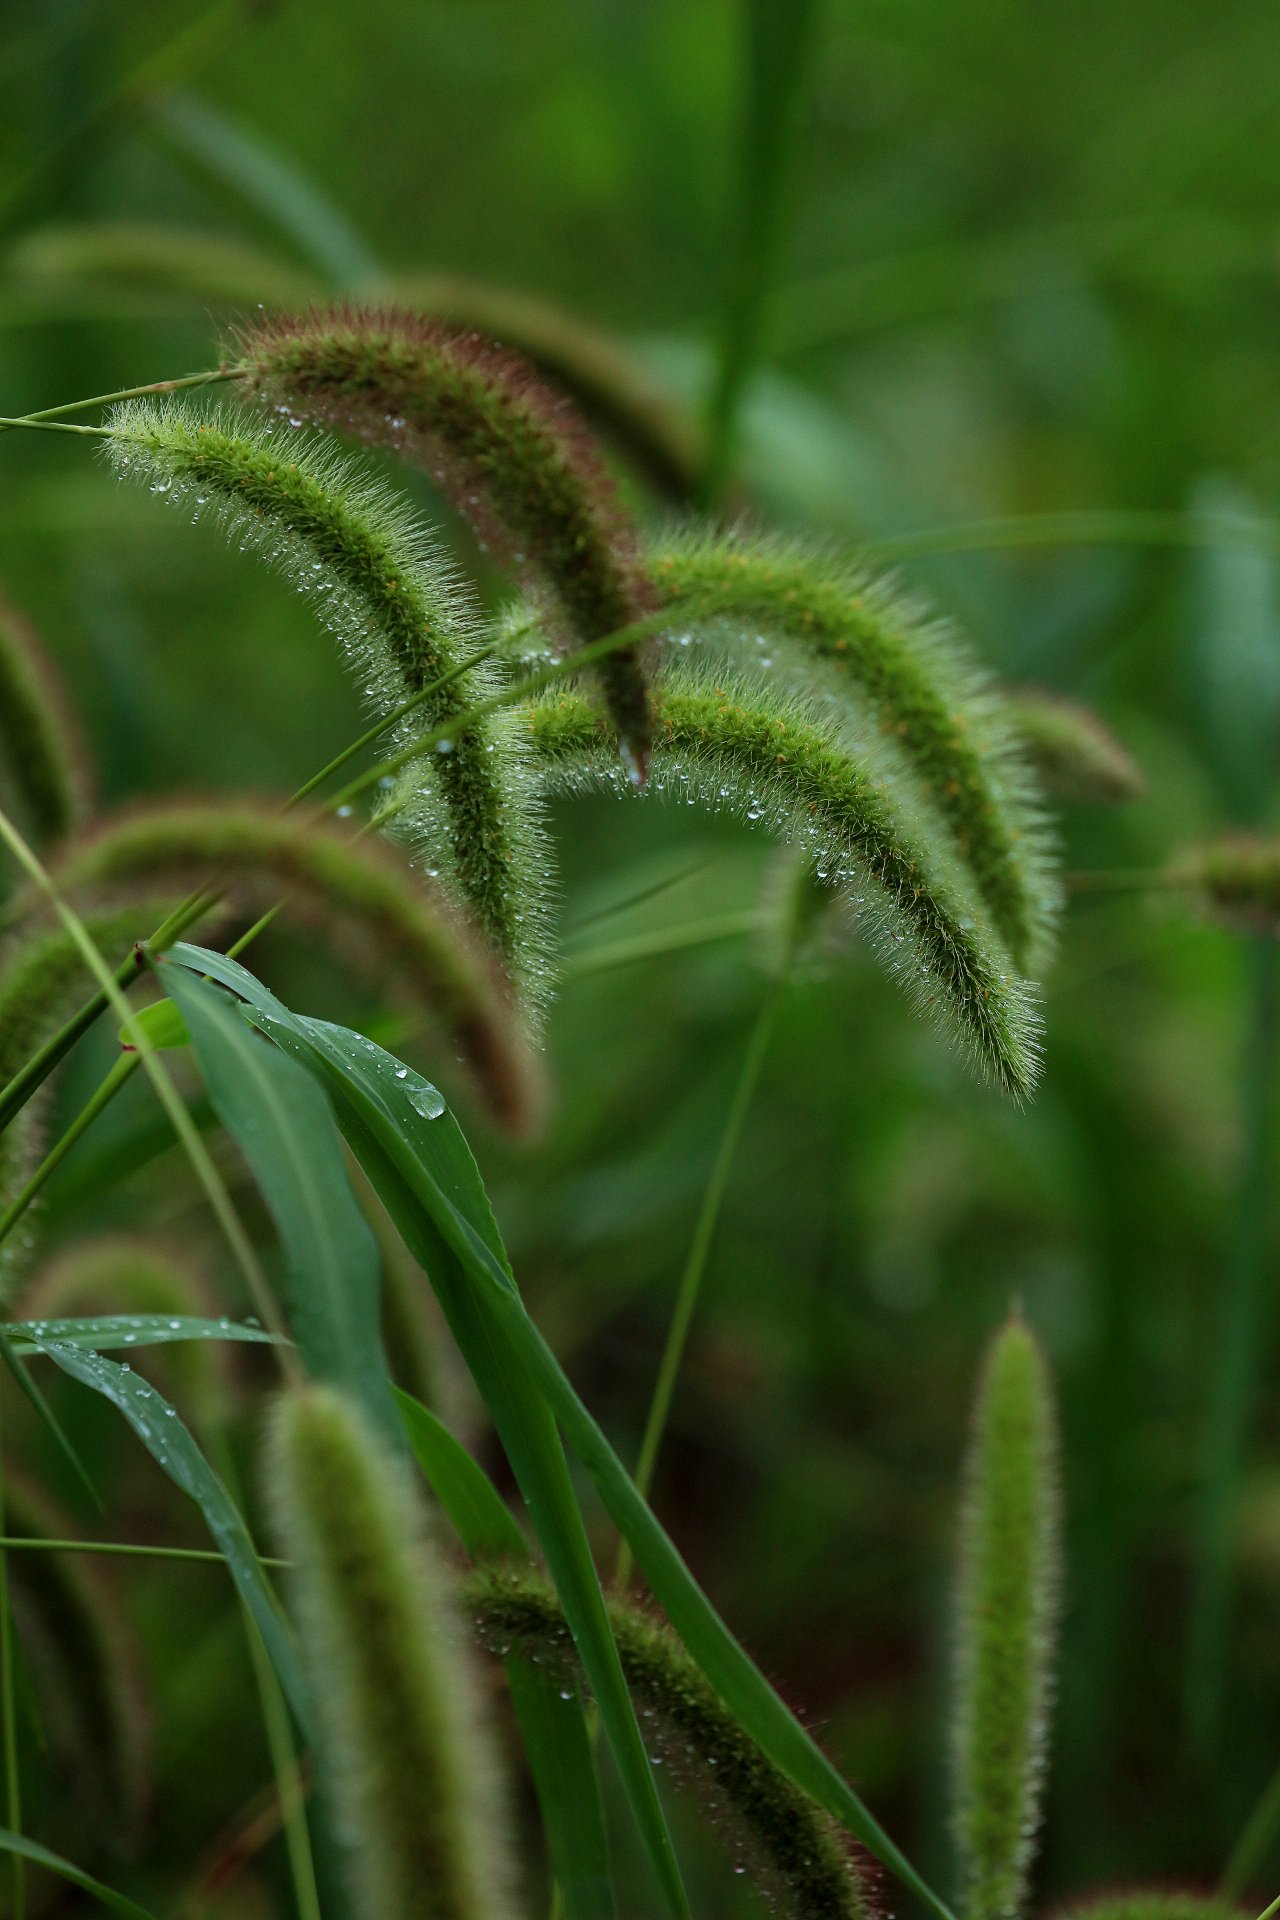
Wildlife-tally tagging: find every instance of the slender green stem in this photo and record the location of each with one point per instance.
(1269, 1910)
(166, 1092)
(95, 1105)
(388, 720)
(11, 421)
(284, 1761)
(8, 1711)
(699, 1249)
(46, 415)
(1236, 1352)
(123, 1549)
(649, 946)
(778, 46)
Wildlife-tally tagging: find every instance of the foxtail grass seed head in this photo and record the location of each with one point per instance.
(398, 1704)
(796, 1852)
(1234, 880)
(407, 926)
(778, 604)
(404, 621)
(741, 746)
(1006, 1607)
(42, 754)
(511, 453)
(1076, 757)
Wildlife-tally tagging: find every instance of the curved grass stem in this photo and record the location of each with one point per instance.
(8, 1713)
(699, 1249)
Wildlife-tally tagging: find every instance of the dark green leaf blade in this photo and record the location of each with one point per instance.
(477, 1512)
(42, 1856)
(170, 1444)
(284, 1126)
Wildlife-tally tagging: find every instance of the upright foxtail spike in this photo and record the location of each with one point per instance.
(908, 675)
(1077, 758)
(403, 923)
(42, 755)
(799, 1856)
(407, 625)
(512, 454)
(399, 1714)
(743, 747)
(1006, 1607)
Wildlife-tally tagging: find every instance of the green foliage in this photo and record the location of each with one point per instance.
(742, 747)
(1006, 1609)
(510, 452)
(43, 756)
(403, 620)
(398, 1710)
(795, 1848)
(914, 682)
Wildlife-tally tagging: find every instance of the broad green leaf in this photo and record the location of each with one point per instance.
(103, 1332)
(426, 1191)
(32, 1850)
(169, 1443)
(161, 1024)
(398, 1135)
(284, 1126)
(477, 1512)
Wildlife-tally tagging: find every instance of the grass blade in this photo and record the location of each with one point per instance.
(172, 1447)
(283, 1124)
(477, 1512)
(403, 1145)
(14, 1843)
(101, 1332)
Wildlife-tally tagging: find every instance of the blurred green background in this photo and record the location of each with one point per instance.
(1028, 264)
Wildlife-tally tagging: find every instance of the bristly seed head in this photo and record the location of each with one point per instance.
(1235, 880)
(511, 453)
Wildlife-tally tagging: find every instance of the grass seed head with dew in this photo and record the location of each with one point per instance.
(511, 453)
(402, 617)
(743, 747)
(767, 600)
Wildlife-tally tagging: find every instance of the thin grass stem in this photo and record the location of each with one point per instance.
(1251, 1848)
(699, 1249)
(125, 1549)
(8, 1712)
(44, 415)
(651, 946)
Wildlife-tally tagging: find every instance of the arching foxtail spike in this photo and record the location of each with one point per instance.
(742, 747)
(404, 926)
(512, 454)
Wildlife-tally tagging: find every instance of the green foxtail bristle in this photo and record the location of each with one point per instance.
(512, 454)
(414, 935)
(1235, 879)
(911, 676)
(797, 1850)
(1005, 1607)
(42, 756)
(1076, 757)
(744, 748)
(399, 1716)
(84, 1664)
(380, 585)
